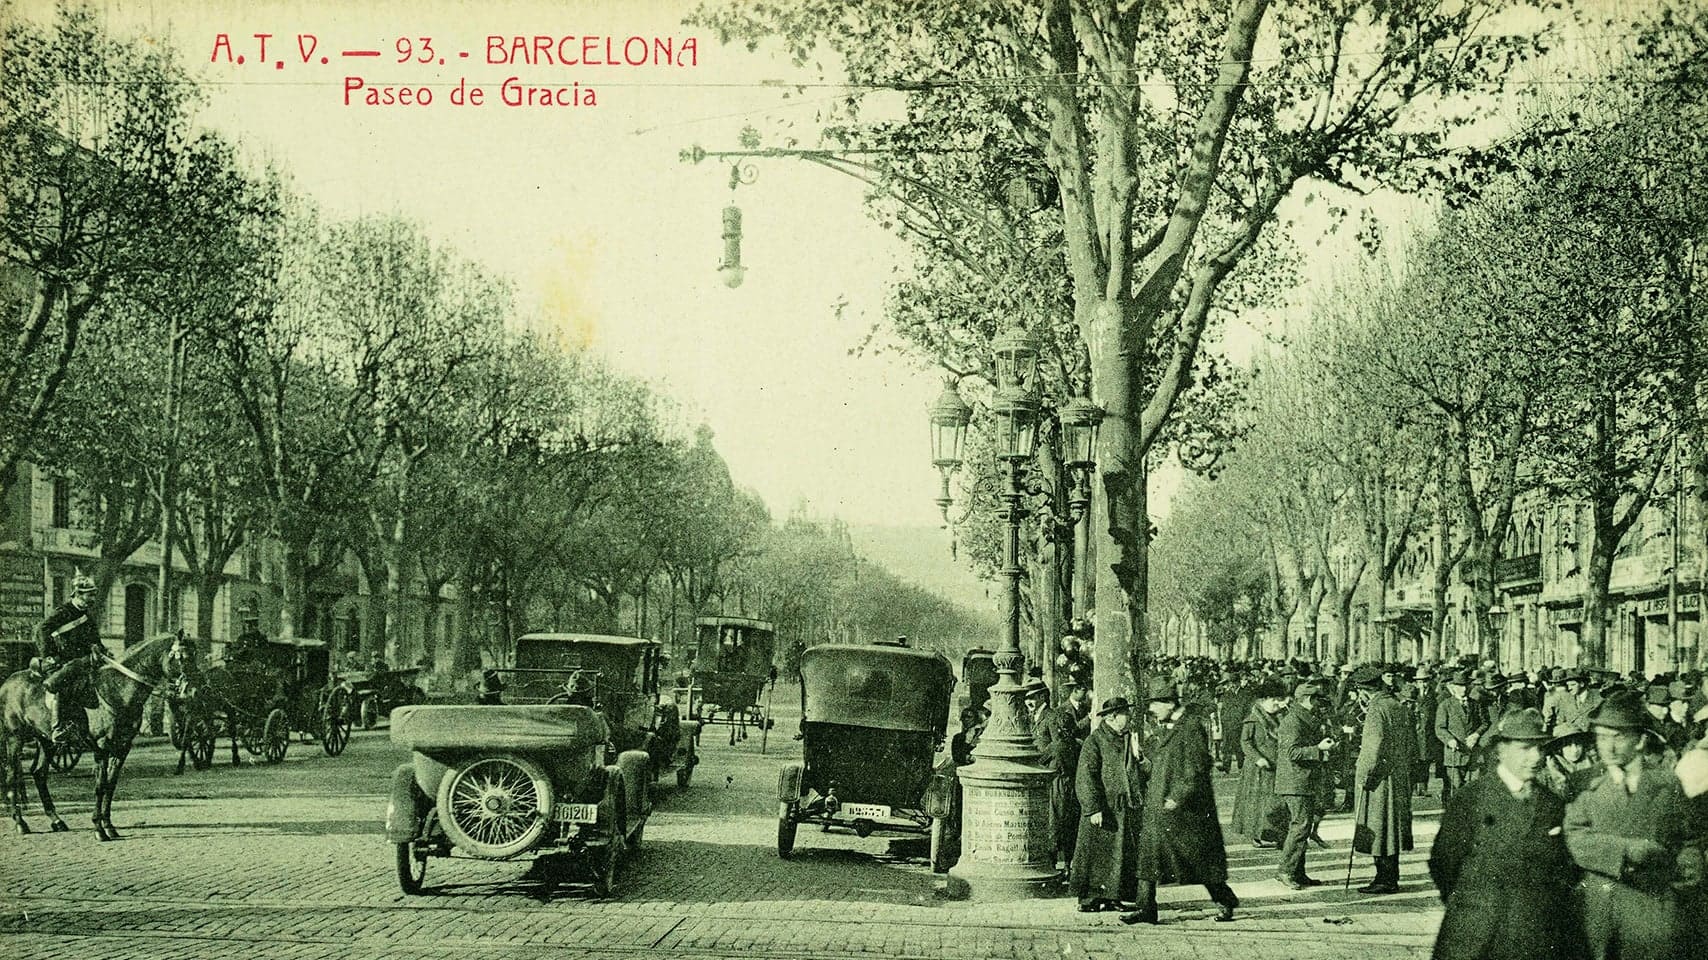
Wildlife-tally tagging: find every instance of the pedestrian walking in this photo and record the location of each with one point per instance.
(1382, 775)
(1301, 744)
(1258, 813)
(1428, 748)
(1106, 849)
(1627, 832)
(1180, 838)
(1500, 859)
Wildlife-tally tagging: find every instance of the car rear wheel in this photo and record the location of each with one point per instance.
(411, 869)
(785, 830)
(495, 806)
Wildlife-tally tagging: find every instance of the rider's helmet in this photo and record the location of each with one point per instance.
(82, 585)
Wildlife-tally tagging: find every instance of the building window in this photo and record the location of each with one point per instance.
(61, 502)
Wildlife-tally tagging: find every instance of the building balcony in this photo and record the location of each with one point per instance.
(1518, 571)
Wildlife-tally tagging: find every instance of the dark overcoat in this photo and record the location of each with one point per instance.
(1056, 736)
(1107, 783)
(1455, 721)
(1255, 802)
(1630, 904)
(1183, 844)
(1298, 763)
(1502, 867)
(1381, 815)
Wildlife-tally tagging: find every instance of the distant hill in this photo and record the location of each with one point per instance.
(920, 556)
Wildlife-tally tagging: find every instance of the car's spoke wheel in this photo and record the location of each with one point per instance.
(495, 806)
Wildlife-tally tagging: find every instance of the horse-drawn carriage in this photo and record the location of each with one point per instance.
(259, 696)
(563, 765)
(872, 721)
(733, 661)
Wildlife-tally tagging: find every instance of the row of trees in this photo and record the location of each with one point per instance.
(1111, 175)
(1544, 341)
(215, 363)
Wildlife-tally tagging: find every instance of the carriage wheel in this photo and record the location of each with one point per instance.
(64, 755)
(199, 737)
(370, 713)
(275, 736)
(180, 719)
(785, 829)
(495, 806)
(334, 724)
(411, 869)
(249, 733)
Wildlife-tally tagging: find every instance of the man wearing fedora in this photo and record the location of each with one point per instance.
(1423, 716)
(1301, 743)
(1180, 837)
(1458, 729)
(1500, 859)
(1382, 777)
(1108, 788)
(1629, 832)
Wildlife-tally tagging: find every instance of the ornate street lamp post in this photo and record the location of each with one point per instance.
(1080, 419)
(1007, 850)
(949, 418)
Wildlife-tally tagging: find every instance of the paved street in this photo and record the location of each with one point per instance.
(288, 861)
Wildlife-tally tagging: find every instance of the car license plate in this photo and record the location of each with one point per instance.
(865, 810)
(577, 813)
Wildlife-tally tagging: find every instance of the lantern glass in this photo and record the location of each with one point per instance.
(1080, 419)
(949, 418)
(1016, 358)
(1017, 424)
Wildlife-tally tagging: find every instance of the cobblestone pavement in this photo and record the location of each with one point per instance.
(288, 862)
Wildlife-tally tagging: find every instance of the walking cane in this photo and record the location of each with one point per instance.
(1352, 847)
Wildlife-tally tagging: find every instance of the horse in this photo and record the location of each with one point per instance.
(122, 687)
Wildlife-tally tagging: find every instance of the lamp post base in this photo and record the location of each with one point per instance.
(1007, 851)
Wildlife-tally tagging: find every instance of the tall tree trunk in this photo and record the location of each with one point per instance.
(1309, 644)
(1121, 522)
(207, 589)
(293, 588)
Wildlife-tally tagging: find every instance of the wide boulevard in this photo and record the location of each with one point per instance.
(288, 861)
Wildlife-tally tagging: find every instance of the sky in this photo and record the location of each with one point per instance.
(607, 234)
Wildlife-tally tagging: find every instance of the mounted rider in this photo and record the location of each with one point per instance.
(71, 650)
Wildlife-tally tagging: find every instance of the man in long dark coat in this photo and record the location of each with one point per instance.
(1423, 711)
(1301, 744)
(1180, 839)
(1629, 831)
(1055, 734)
(1382, 777)
(1500, 860)
(1109, 796)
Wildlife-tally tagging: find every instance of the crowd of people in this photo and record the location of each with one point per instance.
(1575, 802)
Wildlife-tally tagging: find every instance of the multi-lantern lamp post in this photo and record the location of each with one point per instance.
(1007, 846)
